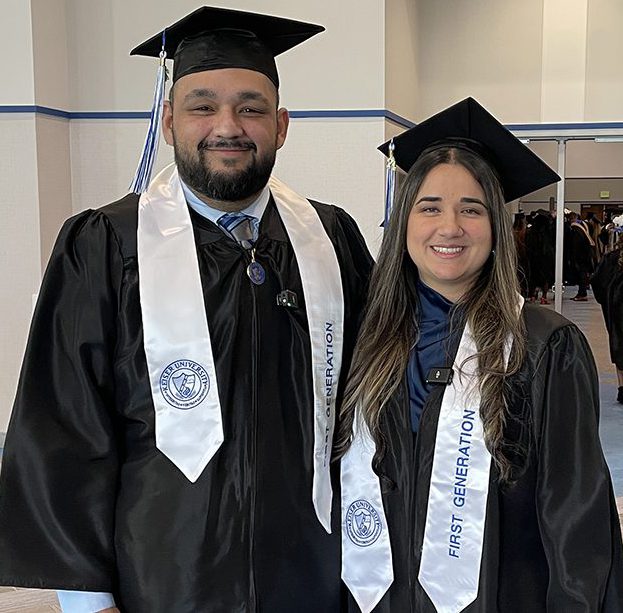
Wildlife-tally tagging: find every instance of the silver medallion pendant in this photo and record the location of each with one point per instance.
(256, 272)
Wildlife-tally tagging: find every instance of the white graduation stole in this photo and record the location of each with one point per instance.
(366, 549)
(457, 497)
(456, 513)
(184, 389)
(188, 413)
(324, 303)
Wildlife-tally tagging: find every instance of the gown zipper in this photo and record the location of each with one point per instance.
(254, 416)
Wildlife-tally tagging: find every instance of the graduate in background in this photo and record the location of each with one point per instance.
(473, 478)
(169, 448)
(607, 284)
(581, 256)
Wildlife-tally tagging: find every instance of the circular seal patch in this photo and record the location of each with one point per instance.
(256, 272)
(363, 524)
(184, 384)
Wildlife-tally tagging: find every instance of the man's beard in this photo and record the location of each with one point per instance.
(232, 186)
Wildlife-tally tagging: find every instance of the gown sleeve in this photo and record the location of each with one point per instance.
(59, 471)
(355, 258)
(575, 503)
(355, 266)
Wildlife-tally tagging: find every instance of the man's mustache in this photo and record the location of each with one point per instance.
(227, 144)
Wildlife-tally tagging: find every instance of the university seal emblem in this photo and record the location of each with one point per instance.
(184, 384)
(363, 524)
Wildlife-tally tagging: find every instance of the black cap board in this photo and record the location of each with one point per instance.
(211, 38)
(469, 125)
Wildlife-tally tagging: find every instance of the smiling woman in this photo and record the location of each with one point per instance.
(449, 231)
(486, 469)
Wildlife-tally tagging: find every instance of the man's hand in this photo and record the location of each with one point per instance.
(111, 610)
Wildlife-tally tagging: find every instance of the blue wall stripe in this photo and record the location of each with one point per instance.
(44, 110)
(367, 113)
(405, 123)
(72, 115)
(18, 109)
(40, 110)
(109, 115)
(329, 114)
(604, 125)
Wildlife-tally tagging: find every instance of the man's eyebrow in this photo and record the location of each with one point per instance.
(200, 93)
(210, 94)
(246, 96)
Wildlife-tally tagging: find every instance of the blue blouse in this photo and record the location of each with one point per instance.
(431, 349)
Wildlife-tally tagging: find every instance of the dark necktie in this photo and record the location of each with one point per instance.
(240, 227)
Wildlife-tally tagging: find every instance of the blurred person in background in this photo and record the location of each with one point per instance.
(607, 284)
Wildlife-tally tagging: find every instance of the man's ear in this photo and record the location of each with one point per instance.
(283, 121)
(167, 122)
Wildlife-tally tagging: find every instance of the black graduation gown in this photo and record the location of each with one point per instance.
(87, 501)
(552, 541)
(540, 252)
(607, 284)
(581, 252)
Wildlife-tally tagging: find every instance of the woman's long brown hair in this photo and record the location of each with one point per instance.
(390, 327)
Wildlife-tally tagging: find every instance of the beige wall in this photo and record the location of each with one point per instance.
(104, 155)
(529, 62)
(341, 68)
(53, 180)
(20, 262)
(50, 61)
(401, 57)
(604, 65)
(564, 60)
(34, 170)
(345, 152)
(591, 159)
(51, 80)
(16, 52)
(19, 231)
(488, 49)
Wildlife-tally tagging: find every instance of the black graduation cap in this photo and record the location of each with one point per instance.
(210, 38)
(468, 125)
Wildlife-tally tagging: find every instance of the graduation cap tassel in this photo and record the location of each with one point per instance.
(390, 183)
(150, 148)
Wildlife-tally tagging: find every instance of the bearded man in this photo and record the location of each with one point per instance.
(170, 441)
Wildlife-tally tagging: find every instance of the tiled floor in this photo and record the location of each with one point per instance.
(13, 600)
(587, 315)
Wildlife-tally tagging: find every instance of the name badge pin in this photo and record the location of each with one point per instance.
(439, 376)
(287, 298)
